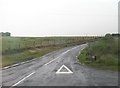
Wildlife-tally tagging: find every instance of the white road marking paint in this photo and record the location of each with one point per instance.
(63, 66)
(50, 61)
(15, 65)
(23, 79)
(60, 56)
(6, 67)
(56, 58)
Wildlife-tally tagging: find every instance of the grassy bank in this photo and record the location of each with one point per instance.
(106, 51)
(18, 49)
(26, 55)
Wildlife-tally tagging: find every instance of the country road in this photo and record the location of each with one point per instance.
(42, 72)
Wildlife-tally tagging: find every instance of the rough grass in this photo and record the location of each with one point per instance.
(18, 44)
(25, 55)
(106, 52)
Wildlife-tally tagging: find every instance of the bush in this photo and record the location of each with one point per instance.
(108, 38)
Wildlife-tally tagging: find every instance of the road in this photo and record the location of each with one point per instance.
(42, 72)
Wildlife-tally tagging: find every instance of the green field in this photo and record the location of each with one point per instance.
(106, 51)
(18, 49)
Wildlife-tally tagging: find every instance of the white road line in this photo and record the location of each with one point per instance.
(23, 79)
(15, 65)
(6, 67)
(56, 58)
(50, 61)
(60, 56)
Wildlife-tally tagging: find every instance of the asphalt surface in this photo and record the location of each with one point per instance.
(42, 72)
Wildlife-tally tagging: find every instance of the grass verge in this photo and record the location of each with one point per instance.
(97, 64)
(106, 51)
(26, 55)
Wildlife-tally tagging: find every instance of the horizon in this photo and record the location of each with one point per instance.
(62, 35)
(59, 18)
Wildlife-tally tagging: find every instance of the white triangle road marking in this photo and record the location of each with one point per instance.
(63, 66)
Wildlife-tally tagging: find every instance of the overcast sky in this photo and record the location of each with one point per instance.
(58, 17)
